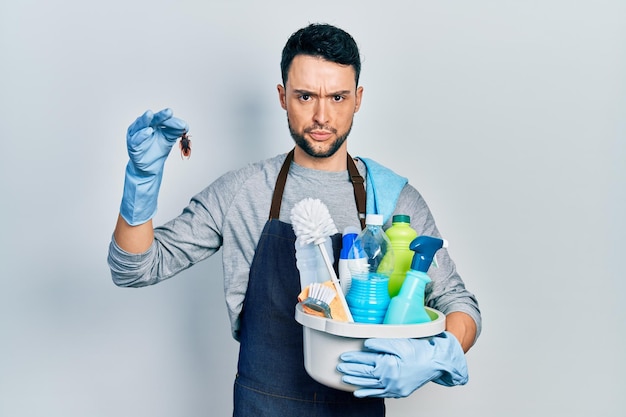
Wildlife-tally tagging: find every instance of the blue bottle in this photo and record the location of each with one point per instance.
(408, 306)
(368, 297)
(346, 257)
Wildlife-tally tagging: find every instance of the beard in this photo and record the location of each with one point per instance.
(310, 149)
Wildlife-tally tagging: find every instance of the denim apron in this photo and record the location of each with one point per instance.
(271, 379)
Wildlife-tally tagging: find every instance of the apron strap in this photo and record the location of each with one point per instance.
(277, 198)
(355, 177)
(359, 189)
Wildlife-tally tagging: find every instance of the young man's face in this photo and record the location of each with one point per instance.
(321, 98)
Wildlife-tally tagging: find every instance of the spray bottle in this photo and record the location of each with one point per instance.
(408, 306)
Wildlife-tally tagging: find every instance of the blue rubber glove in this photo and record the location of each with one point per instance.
(149, 140)
(394, 368)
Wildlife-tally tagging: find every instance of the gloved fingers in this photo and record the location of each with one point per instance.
(391, 346)
(362, 381)
(369, 392)
(356, 369)
(367, 358)
(161, 116)
(173, 128)
(140, 123)
(163, 121)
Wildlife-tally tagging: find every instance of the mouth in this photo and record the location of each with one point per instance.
(318, 134)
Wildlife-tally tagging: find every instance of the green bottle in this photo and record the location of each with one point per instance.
(401, 234)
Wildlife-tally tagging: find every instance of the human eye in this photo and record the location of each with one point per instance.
(304, 97)
(338, 98)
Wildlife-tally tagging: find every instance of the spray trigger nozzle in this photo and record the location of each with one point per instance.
(425, 248)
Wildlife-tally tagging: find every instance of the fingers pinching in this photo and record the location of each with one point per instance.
(173, 128)
(161, 116)
(162, 123)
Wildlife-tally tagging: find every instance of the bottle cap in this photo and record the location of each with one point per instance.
(374, 219)
(401, 218)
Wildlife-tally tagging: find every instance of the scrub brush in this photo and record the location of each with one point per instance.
(319, 298)
(312, 223)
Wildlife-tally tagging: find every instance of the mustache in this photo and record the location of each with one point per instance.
(320, 127)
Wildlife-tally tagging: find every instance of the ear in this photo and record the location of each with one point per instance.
(359, 96)
(282, 96)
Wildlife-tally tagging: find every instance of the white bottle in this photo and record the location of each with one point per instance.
(311, 264)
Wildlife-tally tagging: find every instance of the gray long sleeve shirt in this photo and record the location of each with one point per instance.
(231, 213)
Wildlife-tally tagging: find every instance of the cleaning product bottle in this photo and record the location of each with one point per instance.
(310, 263)
(346, 257)
(408, 306)
(400, 234)
(368, 297)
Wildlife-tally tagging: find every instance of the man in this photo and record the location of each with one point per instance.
(320, 94)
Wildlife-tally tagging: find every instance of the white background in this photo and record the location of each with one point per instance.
(507, 116)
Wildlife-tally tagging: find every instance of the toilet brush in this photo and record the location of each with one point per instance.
(312, 223)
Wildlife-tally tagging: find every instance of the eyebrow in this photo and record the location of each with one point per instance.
(336, 93)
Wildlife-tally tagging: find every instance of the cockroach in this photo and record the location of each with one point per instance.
(185, 146)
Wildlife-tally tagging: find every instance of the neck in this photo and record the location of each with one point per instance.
(336, 162)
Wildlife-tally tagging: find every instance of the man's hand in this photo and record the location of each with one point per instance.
(149, 140)
(394, 368)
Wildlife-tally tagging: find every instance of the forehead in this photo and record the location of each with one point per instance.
(310, 72)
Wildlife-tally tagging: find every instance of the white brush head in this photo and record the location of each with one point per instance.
(321, 292)
(311, 221)
(319, 298)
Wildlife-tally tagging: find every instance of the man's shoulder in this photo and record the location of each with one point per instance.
(266, 168)
(373, 164)
(254, 177)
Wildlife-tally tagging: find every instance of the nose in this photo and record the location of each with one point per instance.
(320, 116)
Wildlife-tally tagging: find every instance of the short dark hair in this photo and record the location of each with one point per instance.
(324, 41)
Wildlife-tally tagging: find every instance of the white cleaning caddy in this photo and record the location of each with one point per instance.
(326, 339)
